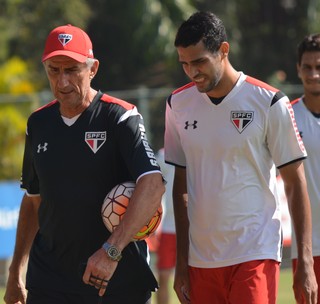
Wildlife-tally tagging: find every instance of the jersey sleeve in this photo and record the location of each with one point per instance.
(173, 150)
(283, 139)
(29, 178)
(134, 146)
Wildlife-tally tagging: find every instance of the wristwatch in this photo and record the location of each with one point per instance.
(112, 252)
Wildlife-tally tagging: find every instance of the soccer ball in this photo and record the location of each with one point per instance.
(115, 205)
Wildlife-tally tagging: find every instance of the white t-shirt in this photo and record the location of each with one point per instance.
(167, 222)
(230, 151)
(309, 128)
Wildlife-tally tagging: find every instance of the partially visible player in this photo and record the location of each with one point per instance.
(226, 133)
(78, 147)
(166, 249)
(307, 114)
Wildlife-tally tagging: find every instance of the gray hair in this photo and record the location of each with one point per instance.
(90, 62)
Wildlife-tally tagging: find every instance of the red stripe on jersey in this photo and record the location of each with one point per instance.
(189, 85)
(111, 99)
(261, 84)
(47, 105)
(295, 101)
(295, 126)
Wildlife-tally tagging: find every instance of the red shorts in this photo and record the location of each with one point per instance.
(316, 267)
(253, 282)
(166, 253)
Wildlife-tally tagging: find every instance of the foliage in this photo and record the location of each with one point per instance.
(14, 77)
(25, 24)
(135, 44)
(12, 130)
(264, 34)
(313, 16)
(268, 35)
(14, 80)
(134, 39)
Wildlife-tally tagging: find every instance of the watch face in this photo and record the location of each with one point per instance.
(113, 252)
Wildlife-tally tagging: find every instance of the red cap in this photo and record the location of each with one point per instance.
(69, 41)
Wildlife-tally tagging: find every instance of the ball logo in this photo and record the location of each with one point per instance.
(64, 38)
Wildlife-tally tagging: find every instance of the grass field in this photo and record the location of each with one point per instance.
(285, 291)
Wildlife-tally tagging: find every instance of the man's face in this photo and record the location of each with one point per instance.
(69, 79)
(309, 72)
(204, 68)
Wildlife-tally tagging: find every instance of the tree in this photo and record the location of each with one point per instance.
(12, 130)
(269, 34)
(264, 34)
(14, 77)
(25, 24)
(135, 44)
(134, 39)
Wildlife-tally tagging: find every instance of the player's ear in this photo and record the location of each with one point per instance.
(94, 68)
(224, 49)
(298, 69)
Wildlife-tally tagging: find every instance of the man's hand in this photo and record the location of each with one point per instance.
(305, 285)
(181, 285)
(99, 271)
(15, 291)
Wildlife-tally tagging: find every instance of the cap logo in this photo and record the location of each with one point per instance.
(64, 38)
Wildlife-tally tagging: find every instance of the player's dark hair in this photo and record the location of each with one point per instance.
(310, 43)
(204, 26)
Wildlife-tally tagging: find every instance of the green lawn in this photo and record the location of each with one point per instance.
(285, 295)
(285, 290)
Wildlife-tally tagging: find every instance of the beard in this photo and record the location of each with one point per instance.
(211, 83)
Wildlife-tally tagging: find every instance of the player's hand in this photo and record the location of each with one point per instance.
(99, 271)
(182, 285)
(305, 285)
(15, 291)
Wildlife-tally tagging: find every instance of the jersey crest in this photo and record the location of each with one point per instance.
(95, 140)
(241, 119)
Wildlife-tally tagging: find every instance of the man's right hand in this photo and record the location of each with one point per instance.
(16, 292)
